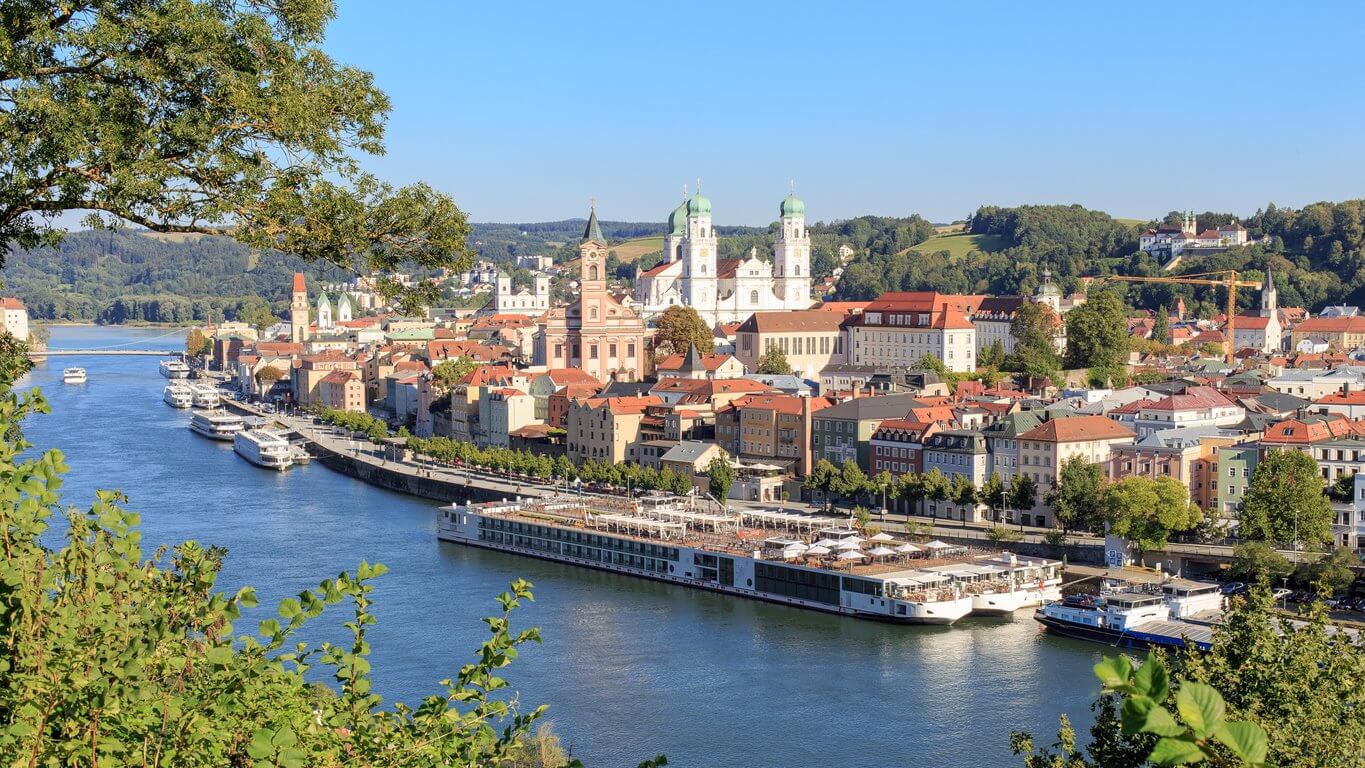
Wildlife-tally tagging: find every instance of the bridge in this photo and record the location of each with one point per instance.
(77, 352)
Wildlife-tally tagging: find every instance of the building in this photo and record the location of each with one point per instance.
(1233, 477)
(690, 457)
(15, 316)
(503, 411)
(1261, 330)
(1349, 404)
(899, 329)
(1195, 407)
(1045, 448)
(298, 310)
(532, 303)
(695, 365)
(811, 339)
(1002, 441)
(955, 452)
(898, 446)
(730, 290)
(342, 390)
(844, 432)
(596, 332)
(309, 370)
(1315, 384)
(1180, 453)
(1169, 240)
(1342, 333)
(604, 428)
(770, 429)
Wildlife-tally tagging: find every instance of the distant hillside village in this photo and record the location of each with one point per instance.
(791, 388)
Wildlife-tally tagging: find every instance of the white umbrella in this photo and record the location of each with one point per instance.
(826, 543)
(907, 548)
(883, 537)
(854, 539)
(798, 545)
(936, 544)
(851, 555)
(818, 550)
(849, 544)
(881, 551)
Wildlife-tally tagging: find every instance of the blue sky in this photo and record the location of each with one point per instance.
(523, 111)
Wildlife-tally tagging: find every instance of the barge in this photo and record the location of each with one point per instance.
(1177, 614)
(812, 562)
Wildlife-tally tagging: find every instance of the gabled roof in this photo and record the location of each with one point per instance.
(796, 320)
(693, 361)
(9, 302)
(1193, 398)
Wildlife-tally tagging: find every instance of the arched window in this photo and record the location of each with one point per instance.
(679, 251)
(592, 272)
(753, 298)
(703, 231)
(592, 313)
(798, 270)
(703, 269)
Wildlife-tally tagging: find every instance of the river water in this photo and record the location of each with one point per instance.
(630, 668)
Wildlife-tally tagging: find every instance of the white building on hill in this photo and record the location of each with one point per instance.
(731, 290)
(522, 302)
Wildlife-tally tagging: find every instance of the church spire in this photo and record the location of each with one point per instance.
(593, 232)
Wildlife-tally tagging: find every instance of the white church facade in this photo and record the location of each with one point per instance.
(727, 290)
(506, 301)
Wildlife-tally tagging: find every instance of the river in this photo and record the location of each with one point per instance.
(630, 668)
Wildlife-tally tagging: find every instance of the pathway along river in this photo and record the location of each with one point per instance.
(629, 668)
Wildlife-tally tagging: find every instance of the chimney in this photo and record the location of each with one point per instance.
(805, 458)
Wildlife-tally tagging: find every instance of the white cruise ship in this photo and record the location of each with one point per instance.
(206, 396)
(218, 425)
(264, 448)
(178, 395)
(73, 375)
(798, 560)
(174, 369)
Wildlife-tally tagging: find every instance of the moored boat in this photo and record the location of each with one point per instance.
(1139, 617)
(216, 425)
(73, 376)
(264, 448)
(206, 396)
(178, 395)
(174, 369)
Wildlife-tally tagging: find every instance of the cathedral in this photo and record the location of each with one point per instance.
(729, 290)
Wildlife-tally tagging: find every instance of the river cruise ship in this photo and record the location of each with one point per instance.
(206, 396)
(800, 560)
(264, 448)
(216, 425)
(177, 395)
(1175, 614)
(174, 369)
(73, 376)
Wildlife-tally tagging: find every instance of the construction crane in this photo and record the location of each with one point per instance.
(1224, 279)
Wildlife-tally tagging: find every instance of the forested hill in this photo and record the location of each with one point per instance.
(1317, 254)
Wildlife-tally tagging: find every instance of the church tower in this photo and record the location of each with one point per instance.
(791, 255)
(324, 314)
(592, 263)
(699, 256)
(1270, 297)
(677, 230)
(298, 310)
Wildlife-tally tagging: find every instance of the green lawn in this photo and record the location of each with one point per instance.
(959, 245)
(1132, 222)
(631, 250)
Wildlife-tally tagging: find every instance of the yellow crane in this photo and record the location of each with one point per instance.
(1225, 279)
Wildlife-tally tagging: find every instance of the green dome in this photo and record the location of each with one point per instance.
(677, 220)
(792, 206)
(698, 206)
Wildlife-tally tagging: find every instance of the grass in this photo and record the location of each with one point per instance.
(1132, 222)
(631, 250)
(960, 244)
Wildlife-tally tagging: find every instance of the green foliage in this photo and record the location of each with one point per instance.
(197, 344)
(679, 328)
(1000, 534)
(1097, 333)
(1077, 499)
(268, 375)
(1147, 511)
(1285, 503)
(1023, 493)
(774, 362)
(993, 356)
(1333, 572)
(1034, 329)
(374, 428)
(721, 476)
(1161, 326)
(250, 131)
(447, 373)
(861, 517)
(1257, 562)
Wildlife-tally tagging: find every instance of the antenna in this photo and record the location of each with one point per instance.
(699, 185)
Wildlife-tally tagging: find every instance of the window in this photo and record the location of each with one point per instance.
(630, 350)
(611, 350)
(592, 272)
(753, 298)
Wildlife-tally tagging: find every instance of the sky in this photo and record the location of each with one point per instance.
(526, 111)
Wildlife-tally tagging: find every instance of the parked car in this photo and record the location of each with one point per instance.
(1280, 594)
(1234, 588)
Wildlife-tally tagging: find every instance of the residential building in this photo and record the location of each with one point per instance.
(603, 428)
(1168, 240)
(811, 340)
(521, 301)
(1045, 448)
(898, 446)
(1002, 441)
(342, 390)
(15, 317)
(844, 432)
(546, 383)
(956, 452)
(695, 365)
(309, 370)
(1195, 407)
(770, 429)
(503, 411)
(1343, 333)
(1173, 453)
(1235, 465)
(690, 457)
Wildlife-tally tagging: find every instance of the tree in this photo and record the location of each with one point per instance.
(992, 494)
(1097, 333)
(268, 375)
(852, 480)
(910, 488)
(447, 373)
(1161, 326)
(774, 362)
(962, 492)
(935, 487)
(822, 479)
(1285, 502)
(1023, 493)
(1147, 511)
(208, 117)
(1256, 562)
(993, 356)
(679, 328)
(722, 477)
(1034, 329)
(1077, 498)
(197, 344)
(1297, 683)
(1333, 571)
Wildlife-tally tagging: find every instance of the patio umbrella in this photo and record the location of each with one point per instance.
(883, 537)
(848, 544)
(818, 550)
(826, 543)
(936, 544)
(881, 551)
(851, 555)
(907, 548)
(853, 539)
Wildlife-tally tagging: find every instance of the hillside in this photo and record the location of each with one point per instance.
(959, 244)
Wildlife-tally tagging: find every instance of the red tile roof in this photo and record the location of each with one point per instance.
(10, 302)
(299, 285)
(1077, 429)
